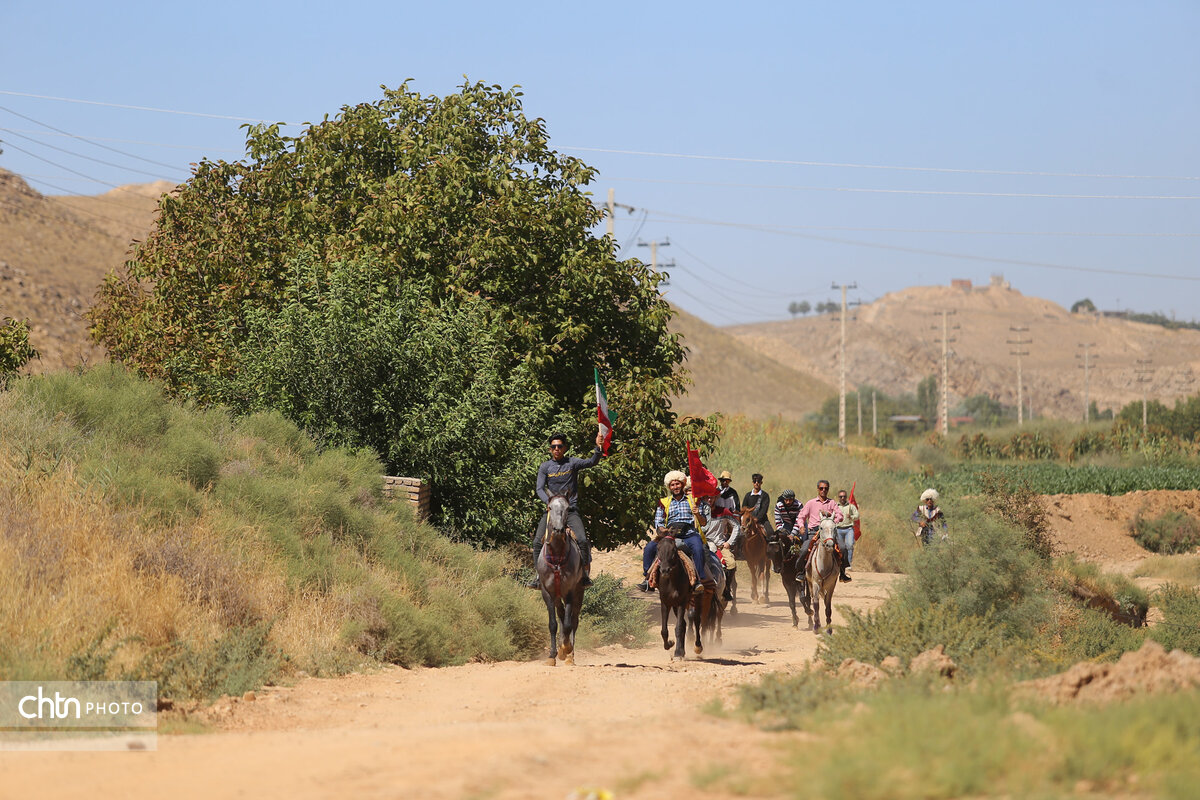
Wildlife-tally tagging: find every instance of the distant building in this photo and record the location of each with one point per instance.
(960, 283)
(998, 281)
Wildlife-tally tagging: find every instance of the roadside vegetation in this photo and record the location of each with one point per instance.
(1004, 606)
(141, 538)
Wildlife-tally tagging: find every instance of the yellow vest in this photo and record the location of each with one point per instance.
(665, 502)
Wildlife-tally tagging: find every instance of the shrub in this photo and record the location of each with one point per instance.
(1173, 532)
(1180, 626)
(1019, 506)
(611, 616)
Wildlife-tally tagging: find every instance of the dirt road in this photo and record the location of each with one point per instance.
(505, 730)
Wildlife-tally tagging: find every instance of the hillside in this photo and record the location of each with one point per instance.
(895, 341)
(54, 251)
(729, 375)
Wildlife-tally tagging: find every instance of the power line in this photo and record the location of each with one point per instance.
(90, 158)
(846, 165)
(135, 108)
(924, 192)
(81, 138)
(669, 216)
(971, 257)
(130, 141)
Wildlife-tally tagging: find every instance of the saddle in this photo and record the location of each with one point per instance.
(652, 576)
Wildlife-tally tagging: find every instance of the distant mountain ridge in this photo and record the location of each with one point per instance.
(895, 342)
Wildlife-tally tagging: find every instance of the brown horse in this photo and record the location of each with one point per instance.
(754, 552)
(674, 595)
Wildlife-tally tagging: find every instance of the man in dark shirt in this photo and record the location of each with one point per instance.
(556, 476)
(759, 500)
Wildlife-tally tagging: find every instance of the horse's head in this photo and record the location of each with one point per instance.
(826, 528)
(556, 515)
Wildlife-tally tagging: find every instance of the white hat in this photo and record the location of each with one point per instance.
(928, 493)
(674, 475)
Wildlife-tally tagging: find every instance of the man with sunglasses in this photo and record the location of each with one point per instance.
(556, 476)
(810, 521)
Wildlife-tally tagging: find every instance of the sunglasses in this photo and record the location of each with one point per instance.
(558, 447)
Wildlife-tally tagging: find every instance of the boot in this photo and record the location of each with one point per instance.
(844, 578)
(644, 585)
(587, 565)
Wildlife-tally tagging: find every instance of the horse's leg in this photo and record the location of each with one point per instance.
(553, 627)
(571, 623)
(815, 589)
(681, 619)
(789, 586)
(829, 603)
(666, 615)
(703, 606)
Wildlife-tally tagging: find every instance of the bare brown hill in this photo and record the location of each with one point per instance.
(54, 252)
(730, 376)
(892, 345)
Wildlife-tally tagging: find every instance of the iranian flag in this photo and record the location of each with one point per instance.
(602, 412)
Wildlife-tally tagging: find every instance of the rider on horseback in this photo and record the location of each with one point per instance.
(810, 519)
(685, 516)
(787, 511)
(557, 477)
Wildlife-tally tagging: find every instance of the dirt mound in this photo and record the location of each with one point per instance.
(1148, 670)
(1095, 527)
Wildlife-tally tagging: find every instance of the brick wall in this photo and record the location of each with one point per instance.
(413, 490)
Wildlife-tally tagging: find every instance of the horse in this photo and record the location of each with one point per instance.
(560, 575)
(707, 612)
(783, 553)
(821, 576)
(754, 551)
(719, 530)
(674, 594)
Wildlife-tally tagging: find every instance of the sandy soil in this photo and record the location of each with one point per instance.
(1096, 527)
(505, 730)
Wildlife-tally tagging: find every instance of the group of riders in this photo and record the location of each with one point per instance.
(685, 517)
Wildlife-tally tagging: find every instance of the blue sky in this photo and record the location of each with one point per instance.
(886, 144)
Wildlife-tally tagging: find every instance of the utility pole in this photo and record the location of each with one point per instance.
(858, 398)
(1086, 366)
(842, 359)
(1019, 342)
(1145, 374)
(612, 210)
(874, 416)
(654, 250)
(944, 410)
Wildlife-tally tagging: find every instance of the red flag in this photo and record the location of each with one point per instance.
(857, 522)
(704, 484)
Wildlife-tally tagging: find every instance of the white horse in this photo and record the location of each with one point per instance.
(821, 576)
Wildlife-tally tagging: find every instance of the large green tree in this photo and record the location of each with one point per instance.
(417, 275)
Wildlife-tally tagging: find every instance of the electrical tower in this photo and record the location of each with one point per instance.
(1086, 366)
(613, 205)
(842, 360)
(654, 250)
(1019, 342)
(944, 405)
(1145, 374)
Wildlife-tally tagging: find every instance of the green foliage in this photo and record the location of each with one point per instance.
(212, 498)
(1180, 626)
(240, 660)
(1173, 532)
(1085, 304)
(1019, 506)
(418, 276)
(985, 410)
(15, 350)
(910, 626)
(928, 399)
(1087, 634)
(794, 701)
(611, 616)
(1159, 318)
(1049, 478)
(1181, 421)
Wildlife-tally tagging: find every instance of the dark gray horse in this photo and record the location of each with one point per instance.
(560, 574)
(783, 553)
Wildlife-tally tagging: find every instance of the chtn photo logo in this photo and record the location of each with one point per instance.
(60, 707)
(78, 715)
